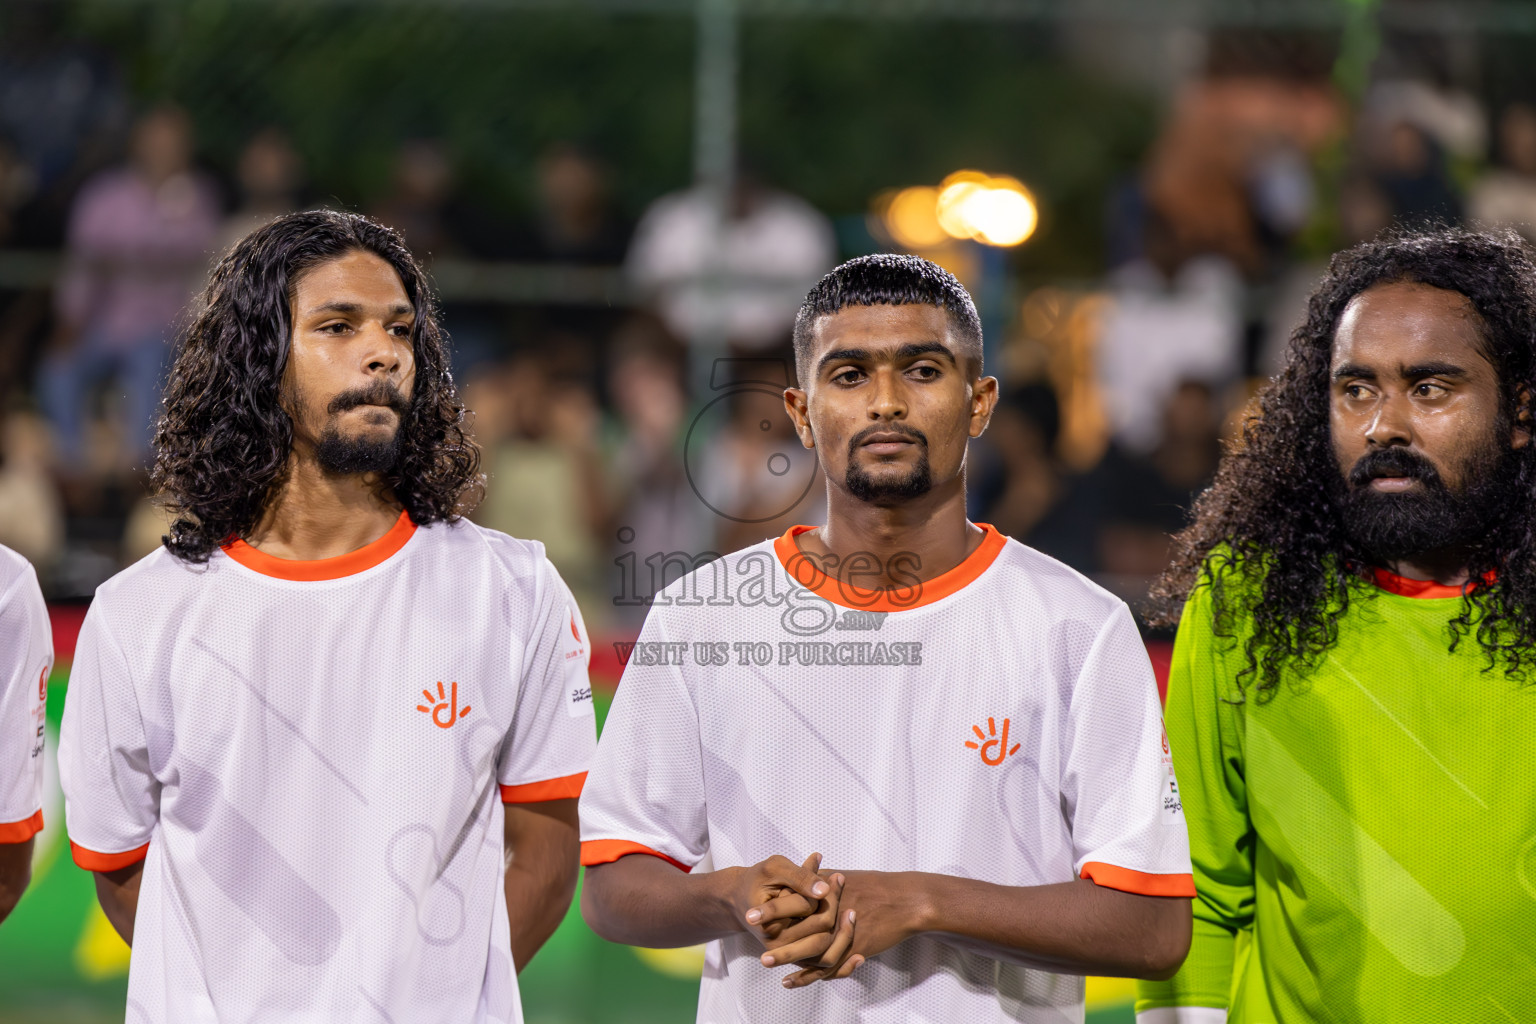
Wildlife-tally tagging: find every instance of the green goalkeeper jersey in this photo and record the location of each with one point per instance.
(1364, 843)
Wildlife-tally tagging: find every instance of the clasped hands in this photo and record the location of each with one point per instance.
(812, 918)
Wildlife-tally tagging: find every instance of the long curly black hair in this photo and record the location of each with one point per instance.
(1270, 512)
(222, 443)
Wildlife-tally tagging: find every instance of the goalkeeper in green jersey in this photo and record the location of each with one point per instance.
(1352, 703)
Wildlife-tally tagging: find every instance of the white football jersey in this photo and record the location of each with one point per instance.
(998, 722)
(26, 658)
(313, 756)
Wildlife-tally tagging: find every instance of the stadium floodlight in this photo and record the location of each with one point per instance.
(995, 210)
(992, 209)
(910, 218)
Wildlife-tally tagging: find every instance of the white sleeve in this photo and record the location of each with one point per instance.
(111, 796)
(26, 646)
(546, 753)
(646, 791)
(1117, 776)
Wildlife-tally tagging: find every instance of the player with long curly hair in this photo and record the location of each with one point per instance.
(1350, 703)
(290, 733)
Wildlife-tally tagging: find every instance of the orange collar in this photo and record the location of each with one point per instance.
(803, 569)
(314, 570)
(1402, 586)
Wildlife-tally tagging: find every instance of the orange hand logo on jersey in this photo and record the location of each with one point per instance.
(1001, 743)
(573, 628)
(446, 701)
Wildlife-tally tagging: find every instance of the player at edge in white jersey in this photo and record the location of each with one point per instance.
(322, 749)
(26, 658)
(969, 874)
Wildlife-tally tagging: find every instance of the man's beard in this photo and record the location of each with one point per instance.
(348, 455)
(1392, 526)
(865, 487)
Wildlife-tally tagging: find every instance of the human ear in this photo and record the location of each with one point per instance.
(799, 413)
(983, 402)
(1520, 430)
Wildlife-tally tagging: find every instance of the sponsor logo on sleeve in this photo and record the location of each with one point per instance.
(1172, 810)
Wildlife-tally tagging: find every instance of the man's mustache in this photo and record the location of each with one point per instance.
(886, 428)
(380, 392)
(1393, 462)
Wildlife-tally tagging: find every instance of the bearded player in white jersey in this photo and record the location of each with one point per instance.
(304, 741)
(26, 657)
(925, 763)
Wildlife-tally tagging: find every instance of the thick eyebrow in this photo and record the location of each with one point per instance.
(1349, 370)
(911, 350)
(843, 355)
(398, 309)
(1419, 370)
(1415, 372)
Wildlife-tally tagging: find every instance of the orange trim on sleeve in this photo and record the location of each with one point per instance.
(315, 570)
(565, 788)
(606, 851)
(1402, 586)
(21, 831)
(803, 569)
(93, 861)
(1126, 880)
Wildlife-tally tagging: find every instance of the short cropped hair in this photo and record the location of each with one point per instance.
(888, 279)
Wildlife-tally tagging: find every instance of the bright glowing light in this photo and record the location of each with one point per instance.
(911, 219)
(969, 205)
(994, 210)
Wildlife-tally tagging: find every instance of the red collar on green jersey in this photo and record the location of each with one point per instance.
(1402, 586)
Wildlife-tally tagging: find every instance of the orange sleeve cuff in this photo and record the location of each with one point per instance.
(606, 851)
(21, 831)
(565, 788)
(1139, 882)
(93, 861)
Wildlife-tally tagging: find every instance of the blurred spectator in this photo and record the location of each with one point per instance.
(748, 462)
(31, 515)
(425, 206)
(23, 310)
(139, 241)
(1412, 174)
(543, 468)
(1175, 315)
(655, 510)
(1145, 498)
(1506, 196)
(269, 175)
(62, 109)
(573, 224)
(1363, 213)
(1027, 493)
(1454, 120)
(574, 220)
(148, 522)
(419, 202)
(743, 286)
(1230, 171)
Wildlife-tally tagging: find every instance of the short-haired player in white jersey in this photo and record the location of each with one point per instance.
(303, 741)
(26, 657)
(925, 763)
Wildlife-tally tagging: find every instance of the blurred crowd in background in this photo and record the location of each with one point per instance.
(622, 360)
